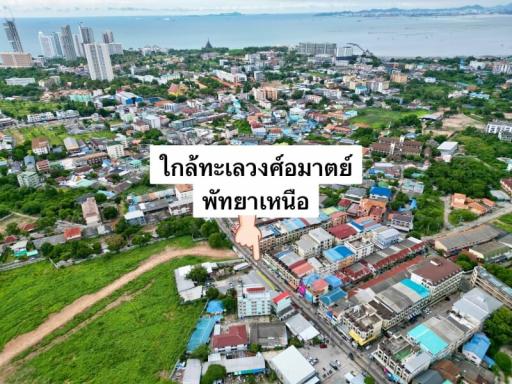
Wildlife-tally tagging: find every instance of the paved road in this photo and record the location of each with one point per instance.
(364, 363)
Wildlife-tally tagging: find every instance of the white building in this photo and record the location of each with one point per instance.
(47, 45)
(23, 81)
(439, 275)
(497, 127)
(254, 300)
(291, 367)
(115, 151)
(183, 191)
(98, 61)
(90, 211)
(448, 149)
(152, 120)
(28, 179)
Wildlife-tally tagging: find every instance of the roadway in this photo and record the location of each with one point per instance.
(364, 363)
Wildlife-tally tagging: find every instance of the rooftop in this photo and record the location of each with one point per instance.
(437, 269)
(293, 366)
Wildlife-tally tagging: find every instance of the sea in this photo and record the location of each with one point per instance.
(477, 35)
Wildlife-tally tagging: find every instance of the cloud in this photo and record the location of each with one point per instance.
(131, 7)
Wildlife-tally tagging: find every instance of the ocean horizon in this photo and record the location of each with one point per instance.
(401, 36)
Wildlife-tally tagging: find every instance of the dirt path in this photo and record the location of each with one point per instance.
(57, 320)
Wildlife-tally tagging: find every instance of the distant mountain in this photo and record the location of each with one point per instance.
(460, 11)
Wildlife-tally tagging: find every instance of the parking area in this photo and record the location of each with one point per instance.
(331, 363)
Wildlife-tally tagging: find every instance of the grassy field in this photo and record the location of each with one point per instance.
(21, 108)
(504, 222)
(29, 294)
(378, 118)
(136, 342)
(56, 134)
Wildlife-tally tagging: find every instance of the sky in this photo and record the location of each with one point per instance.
(63, 8)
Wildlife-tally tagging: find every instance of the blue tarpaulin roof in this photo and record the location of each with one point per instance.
(201, 334)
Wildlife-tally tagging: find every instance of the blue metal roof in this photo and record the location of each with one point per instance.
(478, 345)
(381, 191)
(337, 253)
(310, 279)
(333, 281)
(333, 296)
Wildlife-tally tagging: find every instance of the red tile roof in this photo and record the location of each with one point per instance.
(342, 231)
(28, 227)
(72, 233)
(236, 335)
(344, 203)
(302, 270)
(10, 239)
(281, 296)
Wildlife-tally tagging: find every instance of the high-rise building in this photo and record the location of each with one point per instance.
(98, 61)
(68, 45)
(79, 47)
(12, 35)
(344, 51)
(57, 42)
(108, 37)
(47, 45)
(86, 33)
(115, 48)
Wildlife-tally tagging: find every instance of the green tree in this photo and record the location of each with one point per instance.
(141, 239)
(229, 302)
(110, 213)
(208, 228)
(218, 240)
(369, 380)
(198, 274)
(12, 229)
(458, 216)
(499, 329)
(465, 262)
(212, 293)
(100, 198)
(254, 348)
(115, 243)
(213, 373)
(201, 352)
(503, 362)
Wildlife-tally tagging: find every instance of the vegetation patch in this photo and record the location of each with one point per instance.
(139, 340)
(30, 294)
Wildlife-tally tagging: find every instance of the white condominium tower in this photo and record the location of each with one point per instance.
(47, 45)
(98, 61)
